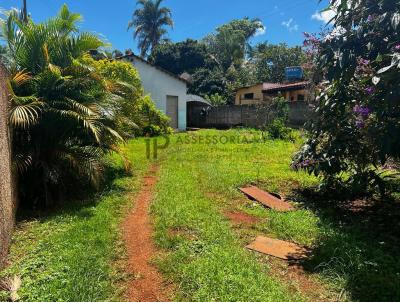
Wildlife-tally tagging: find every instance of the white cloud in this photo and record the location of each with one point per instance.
(290, 25)
(324, 16)
(261, 31)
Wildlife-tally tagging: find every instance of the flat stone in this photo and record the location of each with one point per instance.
(278, 248)
(267, 199)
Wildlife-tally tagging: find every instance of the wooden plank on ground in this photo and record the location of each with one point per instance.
(278, 248)
(267, 199)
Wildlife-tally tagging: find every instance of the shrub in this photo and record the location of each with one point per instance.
(278, 130)
(132, 111)
(215, 99)
(356, 126)
(149, 117)
(60, 128)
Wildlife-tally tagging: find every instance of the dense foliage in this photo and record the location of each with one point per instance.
(357, 126)
(224, 61)
(230, 43)
(3, 53)
(186, 56)
(67, 110)
(132, 112)
(149, 22)
(270, 61)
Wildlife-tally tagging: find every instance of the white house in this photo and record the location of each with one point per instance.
(168, 91)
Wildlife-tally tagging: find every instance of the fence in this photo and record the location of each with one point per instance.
(247, 116)
(7, 189)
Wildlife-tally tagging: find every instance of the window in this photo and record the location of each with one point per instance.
(300, 97)
(292, 98)
(248, 96)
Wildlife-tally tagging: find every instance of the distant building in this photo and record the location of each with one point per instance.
(294, 89)
(167, 90)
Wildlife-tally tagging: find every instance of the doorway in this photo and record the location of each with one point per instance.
(172, 110)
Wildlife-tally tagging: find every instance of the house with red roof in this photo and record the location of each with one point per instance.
(295, 88)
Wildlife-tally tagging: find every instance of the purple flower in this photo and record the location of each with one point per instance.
(306, 163)
(363, 111)
(360, 124)
(397, 47)
(370, 18)
(370, 90)
(364, 62)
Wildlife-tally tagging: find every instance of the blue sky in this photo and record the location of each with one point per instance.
(284, 20)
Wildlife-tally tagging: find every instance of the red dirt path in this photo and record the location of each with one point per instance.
(147, 286)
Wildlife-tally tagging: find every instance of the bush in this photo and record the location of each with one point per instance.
(216, 99)
(133, 113)
(356, 126)
(68, 110)
(60, 128)
(151, 121)
(278, 130)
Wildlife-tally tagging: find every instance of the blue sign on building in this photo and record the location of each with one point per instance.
(294, 73)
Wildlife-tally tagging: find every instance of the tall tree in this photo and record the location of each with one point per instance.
(230, 43)
(270, 60)
(25, 12)
(186, 56)
(149, 23)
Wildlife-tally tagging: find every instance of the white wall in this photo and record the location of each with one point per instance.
(159, 84)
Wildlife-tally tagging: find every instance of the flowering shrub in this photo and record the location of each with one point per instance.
(357, 126)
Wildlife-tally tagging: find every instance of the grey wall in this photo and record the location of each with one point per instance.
(248, 115)
(7, 196)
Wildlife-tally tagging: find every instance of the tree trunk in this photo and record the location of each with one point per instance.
(25, 13)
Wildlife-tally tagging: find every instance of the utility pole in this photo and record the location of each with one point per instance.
(25, 13)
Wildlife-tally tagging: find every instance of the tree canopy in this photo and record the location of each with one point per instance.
(186, 56)
(225, 60)
(229, 44)
(271, 60)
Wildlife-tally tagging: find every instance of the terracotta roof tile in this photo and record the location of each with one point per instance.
(283, 86)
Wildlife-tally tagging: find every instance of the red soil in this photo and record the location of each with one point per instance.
(137, 229)
(241, 218)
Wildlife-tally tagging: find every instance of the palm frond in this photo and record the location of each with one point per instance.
(22, 162)
(20, 78)
(114, 133)
(25, 115)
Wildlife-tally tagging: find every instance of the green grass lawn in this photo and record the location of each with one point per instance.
(198, 180)
(206, 256)
(70, 255)
(67, 255)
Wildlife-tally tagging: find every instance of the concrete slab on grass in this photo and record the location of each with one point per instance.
(278, 248)
(267, 199)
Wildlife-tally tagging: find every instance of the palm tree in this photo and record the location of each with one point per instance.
(60, 129)
(25, 12)
(149, 23)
